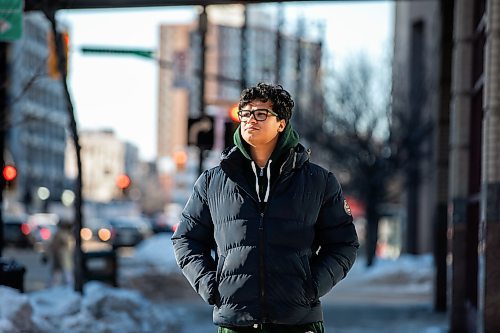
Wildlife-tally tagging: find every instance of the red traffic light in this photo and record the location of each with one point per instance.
(123, 181)
(9, 173)
(233, 113)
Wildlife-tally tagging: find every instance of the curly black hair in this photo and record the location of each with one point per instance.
(281, 99)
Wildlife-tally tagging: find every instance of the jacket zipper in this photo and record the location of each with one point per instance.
(262, 269)
(261, 250)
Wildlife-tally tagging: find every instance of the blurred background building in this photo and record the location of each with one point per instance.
(106, 158)
(415, 92)
(36, 136)
(236, 57)
(446, 65)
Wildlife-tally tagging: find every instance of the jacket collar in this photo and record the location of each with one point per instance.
(289, 138)
(234, 164)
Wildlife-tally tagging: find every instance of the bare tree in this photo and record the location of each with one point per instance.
(363, 137)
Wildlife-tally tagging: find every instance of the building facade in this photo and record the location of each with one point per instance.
(226, 47)
(237, 55)
(415, 77)
(465, 207)
(36, 127)
(104, 158)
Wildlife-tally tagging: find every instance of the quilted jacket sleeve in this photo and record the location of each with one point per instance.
(193, 241)
(336, 236)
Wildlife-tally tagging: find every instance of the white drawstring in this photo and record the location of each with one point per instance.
(256, 179)
(268, 180)
(257, 188)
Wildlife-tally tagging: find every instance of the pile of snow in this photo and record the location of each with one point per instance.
(153, 271)
(408, 274)
(100, 309)
(407, 269)
(157, 251)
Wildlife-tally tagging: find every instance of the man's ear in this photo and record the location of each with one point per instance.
(282, 126)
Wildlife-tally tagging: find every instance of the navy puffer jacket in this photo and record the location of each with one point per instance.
(276, 260)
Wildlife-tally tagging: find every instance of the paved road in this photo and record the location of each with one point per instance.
(339, 318)
(37, 273)
(350, 308)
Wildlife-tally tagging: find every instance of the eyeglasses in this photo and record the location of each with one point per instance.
(258, 114)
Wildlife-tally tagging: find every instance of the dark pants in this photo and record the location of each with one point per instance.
(272, 328)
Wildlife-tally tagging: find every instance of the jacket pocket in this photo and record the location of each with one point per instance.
(310, 289)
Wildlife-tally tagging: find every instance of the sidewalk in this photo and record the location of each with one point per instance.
(390, 297)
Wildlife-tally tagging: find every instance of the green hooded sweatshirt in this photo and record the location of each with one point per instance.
(267, 176)
(288, 139)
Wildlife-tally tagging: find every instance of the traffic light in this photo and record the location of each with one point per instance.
(9, 174)
(123, 182)
(52, 59)
(231, 125)
(233, 113)
(201, 132)
(180, 159)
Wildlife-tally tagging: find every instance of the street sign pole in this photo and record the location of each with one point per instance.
(202, 30)
(3, 127)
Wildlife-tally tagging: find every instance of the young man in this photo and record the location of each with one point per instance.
(281, 227)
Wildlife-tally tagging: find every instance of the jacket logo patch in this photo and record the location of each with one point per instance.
(347, 208)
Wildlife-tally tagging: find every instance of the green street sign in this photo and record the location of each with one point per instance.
(11, 19)
(102, 50)
(15, 5)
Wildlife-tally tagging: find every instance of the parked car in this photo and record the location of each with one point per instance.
(159, 223)
(97, 229)
(129, 231)
(42, 228)
(16, 230)
(173, 213)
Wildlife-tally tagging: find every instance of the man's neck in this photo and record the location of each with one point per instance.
(262, 154)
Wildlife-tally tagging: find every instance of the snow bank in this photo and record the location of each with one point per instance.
(158, 252)
(408, 274)
(406, 269)
(100, 309)
(153, 271)
(15, 312)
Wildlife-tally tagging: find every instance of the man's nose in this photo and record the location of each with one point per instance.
(252, 118)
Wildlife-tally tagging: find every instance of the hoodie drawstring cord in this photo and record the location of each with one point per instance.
(257, 187)
(256, 179)
(268, 180)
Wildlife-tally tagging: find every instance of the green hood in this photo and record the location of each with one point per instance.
(289, 138)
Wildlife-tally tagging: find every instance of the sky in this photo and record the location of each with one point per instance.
(121, 92)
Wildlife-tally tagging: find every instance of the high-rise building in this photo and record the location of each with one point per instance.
(180, 84)
(36, 135)
(180, 50)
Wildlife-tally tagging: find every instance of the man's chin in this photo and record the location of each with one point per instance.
(252, 140)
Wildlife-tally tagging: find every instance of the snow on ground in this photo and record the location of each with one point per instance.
(408, 272)
(100, 309)
(151, 271)
(157, 251)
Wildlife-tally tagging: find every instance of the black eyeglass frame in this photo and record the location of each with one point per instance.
(252, 113)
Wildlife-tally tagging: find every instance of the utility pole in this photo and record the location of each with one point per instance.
(77, 225)
(3, 128)
(277, 73)
(243, 49)
(202, 31)
(298, 69)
